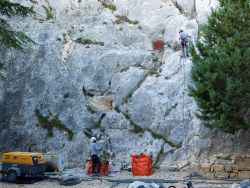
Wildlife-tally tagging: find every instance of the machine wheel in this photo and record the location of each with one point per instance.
(12, 176)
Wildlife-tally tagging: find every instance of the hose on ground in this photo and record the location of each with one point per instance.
(69, 181)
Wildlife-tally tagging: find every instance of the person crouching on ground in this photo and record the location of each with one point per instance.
(95, 157)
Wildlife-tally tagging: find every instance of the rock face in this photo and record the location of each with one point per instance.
(93, 72)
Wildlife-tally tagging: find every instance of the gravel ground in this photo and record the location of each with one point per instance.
(103, 183)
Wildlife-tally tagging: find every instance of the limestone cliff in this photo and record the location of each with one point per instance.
(94, 72)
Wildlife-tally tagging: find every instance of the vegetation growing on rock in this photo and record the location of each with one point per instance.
(88, 41)
(138, 129)
(123, 18)
(98, 124)
(108, 5)
(90, 109)
(49, 14)
(117, 109)
(55, 122)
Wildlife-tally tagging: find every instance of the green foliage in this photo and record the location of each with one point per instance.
(9, 37)
(55, 122)
(33, 1)
(11, 9)
(49, 14)
(152, 70)
(108, 6)
(138, 129)
(1, 67)
(157, 166)
(158, 136)
(124, 69)
(91, 110)
(122, 18)
(88, 41)
(117, 109)
(221, 70)
(45, 123)
(126, 99)
(98, 124)
(88, 133)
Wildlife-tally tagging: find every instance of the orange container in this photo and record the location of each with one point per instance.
(104, 168)
(142, 165)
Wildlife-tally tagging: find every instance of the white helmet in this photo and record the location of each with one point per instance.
(93, 139)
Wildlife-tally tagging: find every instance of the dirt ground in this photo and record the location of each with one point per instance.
(104, 183)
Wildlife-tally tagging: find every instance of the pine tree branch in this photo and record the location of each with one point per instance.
(10, 38)
(12, 9)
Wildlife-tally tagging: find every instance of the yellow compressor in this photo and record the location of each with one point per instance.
(26, 164)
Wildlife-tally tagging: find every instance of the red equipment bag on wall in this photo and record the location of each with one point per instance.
(104, 168)
(142, 165)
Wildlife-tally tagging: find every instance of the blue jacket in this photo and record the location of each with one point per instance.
(95, 149)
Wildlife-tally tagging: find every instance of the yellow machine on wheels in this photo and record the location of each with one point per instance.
(25, 164)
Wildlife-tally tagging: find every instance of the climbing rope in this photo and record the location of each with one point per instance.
(183, 96)
(184, 123)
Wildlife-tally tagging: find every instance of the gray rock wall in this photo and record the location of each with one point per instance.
(113, 86)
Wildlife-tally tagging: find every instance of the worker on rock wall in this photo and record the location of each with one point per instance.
(184, 40)
(95, 156)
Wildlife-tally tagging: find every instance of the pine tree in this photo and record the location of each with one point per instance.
(221, 68)
(8, 36)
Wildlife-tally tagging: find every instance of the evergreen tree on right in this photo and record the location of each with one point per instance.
(221, 68)
(9, 36)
